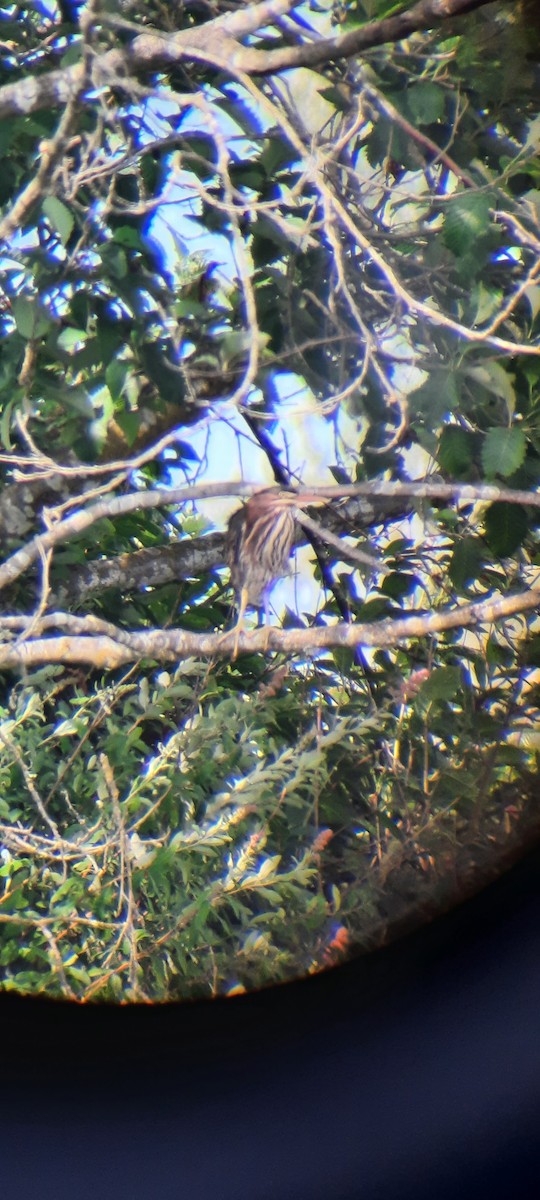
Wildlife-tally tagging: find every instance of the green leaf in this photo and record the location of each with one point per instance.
(129, 423)
(386, 140)
(274, 156)
(76, 398)
(59, 216)
(103, 409)
(72, 55)
(71, 340)
(497, 653)
(5, 424)
(8, 179)
(442, 684)
(337, 97)
(506, 527)
(398, 584)
(426, 102)
(532, 295)
(465, 562)
(115, 376)
(344, 659)
(30, 318)
(532, 652)
(248, 175)
(487, 301)
(466, 220)
(114, 260)
(456, 450)
(503, 451)
(435, 398)
(129, 237)
(495, 379)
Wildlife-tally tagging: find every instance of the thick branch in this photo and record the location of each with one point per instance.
(422, 16)
(191, 558)
(112, 648)
(80, 521)
(151, 567)
(219, 41)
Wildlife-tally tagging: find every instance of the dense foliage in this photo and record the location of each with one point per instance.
(257, 243)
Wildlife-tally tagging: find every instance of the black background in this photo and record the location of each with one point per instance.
(413, 1073)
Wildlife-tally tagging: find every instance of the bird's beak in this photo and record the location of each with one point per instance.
(311, 498)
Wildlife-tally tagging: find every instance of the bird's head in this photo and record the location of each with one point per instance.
(276, 500)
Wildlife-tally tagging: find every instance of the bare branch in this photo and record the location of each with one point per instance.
(103, 651)
(220, 38)
(112, 507)
(425, 15)
(53, 150)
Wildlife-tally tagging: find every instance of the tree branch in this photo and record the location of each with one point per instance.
(219, 39)
(110, 647)
(422, 16)
(115, 506)
(53, 150)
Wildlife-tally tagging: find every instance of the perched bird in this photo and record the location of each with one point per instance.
(260, 537)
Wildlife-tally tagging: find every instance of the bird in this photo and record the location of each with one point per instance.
(260, 537)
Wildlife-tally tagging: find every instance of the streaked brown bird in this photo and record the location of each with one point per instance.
(260, 537)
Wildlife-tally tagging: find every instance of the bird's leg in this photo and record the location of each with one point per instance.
(242, 605)
(238, 625)
(267, 625)
(238, 628)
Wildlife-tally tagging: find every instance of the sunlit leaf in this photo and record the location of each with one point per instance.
(493, 376)
(466, 220)
(30, 318)
(60, 217)
(503, 451)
